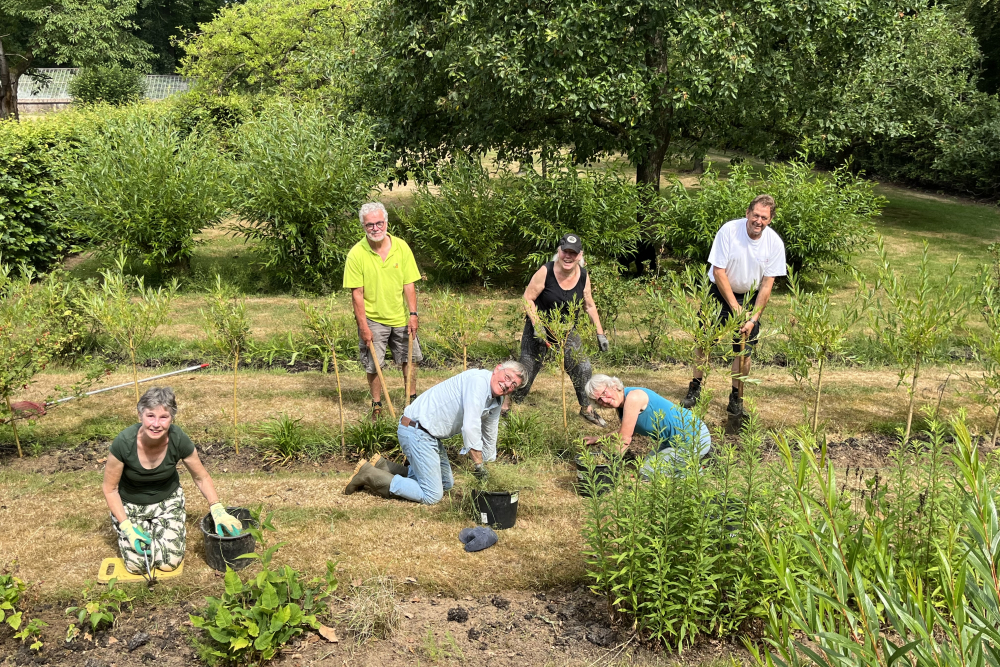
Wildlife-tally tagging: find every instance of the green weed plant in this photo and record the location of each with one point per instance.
(99, 605)
(367, 438)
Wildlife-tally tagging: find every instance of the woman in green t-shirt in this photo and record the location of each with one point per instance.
(144, 491)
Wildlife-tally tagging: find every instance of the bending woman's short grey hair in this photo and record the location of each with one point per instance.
(600, 382)
(158, 397)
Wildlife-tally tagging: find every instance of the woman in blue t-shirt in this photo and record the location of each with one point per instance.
(675, 430)
(143, 490)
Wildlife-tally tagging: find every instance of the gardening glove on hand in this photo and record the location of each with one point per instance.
(224, 521)
(136, 537)
(540, 334)
(478, 538)
(602, 342)
(480, 472)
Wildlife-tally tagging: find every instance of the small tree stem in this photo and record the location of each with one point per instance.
(13, 425)
(819, 390)
(236, 371)
(465, 358)
(135, 370)
(340, 399)
(562, 385)
(996, 428)
(913, 395)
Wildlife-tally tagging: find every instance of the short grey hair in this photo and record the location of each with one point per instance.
(515, 367)
(372, 207)
(158, 397)
(599, 382)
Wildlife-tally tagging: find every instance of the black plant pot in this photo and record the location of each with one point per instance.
(226, 550)
(497, 509)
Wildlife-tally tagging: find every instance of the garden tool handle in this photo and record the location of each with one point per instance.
(409, 371)
(381, 378)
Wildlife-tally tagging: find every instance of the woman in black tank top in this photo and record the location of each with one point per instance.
(554, 285)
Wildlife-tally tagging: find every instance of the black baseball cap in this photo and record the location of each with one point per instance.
(571, 242)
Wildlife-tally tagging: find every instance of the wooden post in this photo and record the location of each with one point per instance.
(381, 378)
(13, 425)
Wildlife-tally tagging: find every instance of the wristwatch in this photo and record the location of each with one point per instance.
(414, 314)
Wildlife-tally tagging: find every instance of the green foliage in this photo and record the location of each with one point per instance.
(823, 220)
(815, 331)
(11, 589)
(647, 81)
(679, 555)
(600, 206)
(257, 616)
(326, 332)
(109, 84)
(301, 177)
(127, 311)
(912, 316)
(366, 438)
(459, 324)
(496, 230)
(522, 435)
(32, 630)
(611, 292)
(282, 439)
(100, 604)
(468, 228)
(840, 614)
(986, 385)
(32, 156)
(145, 189)
(289, 46)
(694, 311)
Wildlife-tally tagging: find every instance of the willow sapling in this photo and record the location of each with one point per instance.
(328, 330)
(911, 317)
(562, 327)
(127, 311)
(228, 328)
(815, 332)
(696, 313)
(460, 324)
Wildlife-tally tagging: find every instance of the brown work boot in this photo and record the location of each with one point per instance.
(371, 478)
(376, 411)
(383, 463)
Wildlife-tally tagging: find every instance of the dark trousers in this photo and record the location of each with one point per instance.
(533, 353)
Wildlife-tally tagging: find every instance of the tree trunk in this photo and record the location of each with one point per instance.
(8, 89)
(647, 173)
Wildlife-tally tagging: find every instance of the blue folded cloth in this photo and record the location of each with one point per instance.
(478, 538)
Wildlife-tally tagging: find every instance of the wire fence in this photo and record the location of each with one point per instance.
(52, 84)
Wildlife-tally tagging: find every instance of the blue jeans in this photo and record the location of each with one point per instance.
(674, 459)
(430, 472)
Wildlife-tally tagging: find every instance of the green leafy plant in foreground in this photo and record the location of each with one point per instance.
(367, 438)
(99, 605)
(283, 438)
(254, 618)
(11, 589)
(842, 617)
(32, 630)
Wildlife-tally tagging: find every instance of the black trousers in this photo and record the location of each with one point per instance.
(533, 353)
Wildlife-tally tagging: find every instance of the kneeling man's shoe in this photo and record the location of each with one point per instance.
(369, 477)
(383, 463)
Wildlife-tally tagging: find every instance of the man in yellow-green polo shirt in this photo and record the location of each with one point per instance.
(381, 272)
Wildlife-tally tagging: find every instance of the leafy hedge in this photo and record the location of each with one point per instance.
(501, 229)
(823, 219)
(32, 155)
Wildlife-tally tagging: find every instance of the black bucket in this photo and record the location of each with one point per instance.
(223, 551)
(497, 509)
(602, 478)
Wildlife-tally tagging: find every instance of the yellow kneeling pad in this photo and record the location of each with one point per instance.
(114, 568)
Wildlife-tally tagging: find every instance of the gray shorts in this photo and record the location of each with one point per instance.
(396, 339)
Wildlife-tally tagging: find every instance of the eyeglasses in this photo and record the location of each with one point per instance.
(378, 224)
(605, 395)
(509, 382)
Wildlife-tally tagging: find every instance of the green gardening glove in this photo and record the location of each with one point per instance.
(224, 521)
(136, 537)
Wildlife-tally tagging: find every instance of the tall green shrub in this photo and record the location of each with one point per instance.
(32, 156)
(110, 84)
(467, 226)
(823, 219)
(301, 176)
(144, 188)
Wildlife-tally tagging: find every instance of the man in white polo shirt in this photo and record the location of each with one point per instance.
(747, 255)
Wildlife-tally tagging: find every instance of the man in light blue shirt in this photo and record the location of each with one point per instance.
(468, 403)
